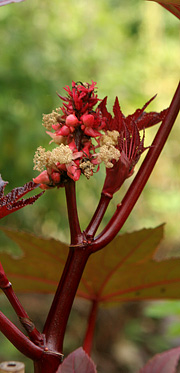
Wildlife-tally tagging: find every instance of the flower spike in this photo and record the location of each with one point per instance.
(86, 135)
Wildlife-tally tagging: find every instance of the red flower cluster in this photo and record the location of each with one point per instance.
(117, 141)
(78, 111)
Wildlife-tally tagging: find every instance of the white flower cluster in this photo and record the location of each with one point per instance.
(61, 154)
(49, 119)
(108, 151)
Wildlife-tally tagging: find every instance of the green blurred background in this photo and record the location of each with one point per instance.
(131, 49)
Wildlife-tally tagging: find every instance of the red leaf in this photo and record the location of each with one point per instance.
(165, 362)
(145, 120)
(77, 362)
(119, 118)
(5, 2)
(11, 203)
(172, 6)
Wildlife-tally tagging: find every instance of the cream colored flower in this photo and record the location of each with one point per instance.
(62, 154)
(107, 153)
(49, 119)
(41, 158)
(110, 138)
(87, 168)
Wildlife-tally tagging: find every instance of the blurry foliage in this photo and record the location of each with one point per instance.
(131, 48)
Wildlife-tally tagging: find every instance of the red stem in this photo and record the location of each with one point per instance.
(135, 189)
(64, 297)
(6, 286)
(18, 339)
(98, 215)
(33, 333)
(76, 261)
(88, 340)
(76, 235)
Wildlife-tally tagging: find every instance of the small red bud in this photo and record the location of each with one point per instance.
(64, 131)
(56, 126)
(71, 120)
(88, 120)
(43, 177)
(55, 176)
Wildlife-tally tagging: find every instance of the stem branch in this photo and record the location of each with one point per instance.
(98, 216)
(88, 340)
(6, 286)
(18, 339)
(76, 235)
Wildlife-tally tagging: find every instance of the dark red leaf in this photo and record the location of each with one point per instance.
(145, 120)
(11, 202)
(165, 362)
(77, 362)
(119, 119)
(102, 107)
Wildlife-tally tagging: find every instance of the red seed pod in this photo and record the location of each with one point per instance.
(55, 176)
(88, 120)
(64, 131)
(72, 120)
(43, 177)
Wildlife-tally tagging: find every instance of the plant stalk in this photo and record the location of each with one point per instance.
(88, 340)
(18, 339)
(55, 326)
(90, 231)
(75, 230)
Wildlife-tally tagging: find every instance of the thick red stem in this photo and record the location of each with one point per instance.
(135, 189)
(49, 362)
(98, 216)
(18, 339)
(55, 326)
(88, 340)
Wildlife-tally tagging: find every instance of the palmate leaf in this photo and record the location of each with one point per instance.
(123, 271)
(172, 5)
(5, 2)
(11, 202)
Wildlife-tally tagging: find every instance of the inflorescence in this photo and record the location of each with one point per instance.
(87, 135)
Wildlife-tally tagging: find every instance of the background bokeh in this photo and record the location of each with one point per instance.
(131, 49)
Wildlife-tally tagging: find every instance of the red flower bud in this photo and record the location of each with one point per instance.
(55, 176)
(88, 120)
(43, 177)
(64, 131)
(56, 126)
(71, 120)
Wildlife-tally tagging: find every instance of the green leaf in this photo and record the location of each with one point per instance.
(123, 271)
